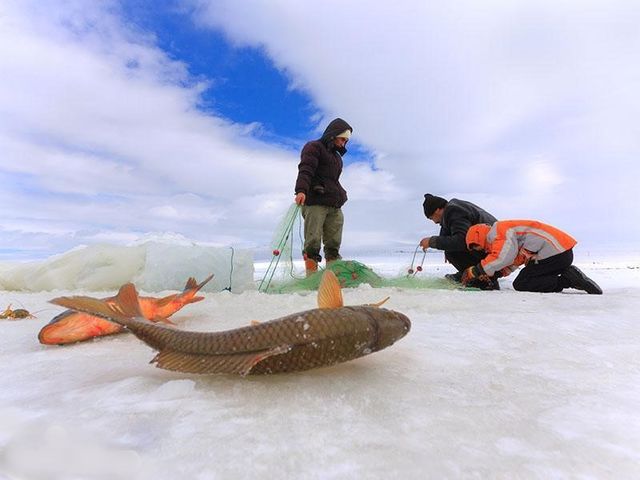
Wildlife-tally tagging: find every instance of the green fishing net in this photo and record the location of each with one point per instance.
(282, 277)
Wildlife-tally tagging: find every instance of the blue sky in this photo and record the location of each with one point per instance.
(127, 121)
(245, 85)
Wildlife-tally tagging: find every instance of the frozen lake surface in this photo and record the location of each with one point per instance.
(497, 384)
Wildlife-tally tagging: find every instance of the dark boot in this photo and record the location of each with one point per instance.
(490, 284)
(578, 280)
(454, 277)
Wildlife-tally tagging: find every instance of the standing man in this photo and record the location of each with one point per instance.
(320, 194)
(455, 217)
(545, 251)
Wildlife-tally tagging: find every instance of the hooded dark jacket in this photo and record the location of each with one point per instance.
(457, 217)
(320, 168)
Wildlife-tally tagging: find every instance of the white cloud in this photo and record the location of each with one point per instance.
(523, 108)
(100, 131)
(462, 96)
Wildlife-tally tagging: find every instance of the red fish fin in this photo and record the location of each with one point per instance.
(239, 363)
(123, 306)
(329, 292)
(196, 299)
(380, 303)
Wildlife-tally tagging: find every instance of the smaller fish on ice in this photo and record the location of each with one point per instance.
(73, 326)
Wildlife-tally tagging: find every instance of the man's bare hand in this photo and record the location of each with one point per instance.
(424, 243)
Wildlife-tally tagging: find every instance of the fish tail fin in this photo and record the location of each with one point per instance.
(191, 288)
(123, 307)
(192, 284)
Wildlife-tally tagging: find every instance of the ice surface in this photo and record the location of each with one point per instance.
(497, 384)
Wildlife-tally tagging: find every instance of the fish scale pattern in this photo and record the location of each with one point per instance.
(328, 351)
(304, 327)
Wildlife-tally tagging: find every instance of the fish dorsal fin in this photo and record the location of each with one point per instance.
(127, 301)
(123, 305)
(329, 292)
(380, 303)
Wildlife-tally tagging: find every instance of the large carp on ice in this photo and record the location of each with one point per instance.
(314, 338)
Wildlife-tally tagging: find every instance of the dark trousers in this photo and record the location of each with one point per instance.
(463, 259)
(544, 275)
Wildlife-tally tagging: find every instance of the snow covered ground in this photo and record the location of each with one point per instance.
(495, 384)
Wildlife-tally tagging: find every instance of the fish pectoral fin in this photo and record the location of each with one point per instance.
(164, 320)
(234, 363)
(380, 303)
(260, 356)
(329, 291)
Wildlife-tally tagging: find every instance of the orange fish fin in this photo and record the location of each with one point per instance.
(238, 363)
(124, 305)
(329, 292)
(196, 299)
(380, 303)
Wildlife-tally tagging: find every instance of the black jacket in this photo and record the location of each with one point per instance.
(320, 168)
(457, 217)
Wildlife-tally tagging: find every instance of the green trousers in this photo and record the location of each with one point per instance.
(322, 225)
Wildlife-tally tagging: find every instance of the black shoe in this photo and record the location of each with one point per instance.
(578, 280)
(454, 277)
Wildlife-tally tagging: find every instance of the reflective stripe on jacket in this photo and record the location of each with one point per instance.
(516, 242)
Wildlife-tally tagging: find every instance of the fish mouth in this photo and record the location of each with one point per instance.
(406, 323)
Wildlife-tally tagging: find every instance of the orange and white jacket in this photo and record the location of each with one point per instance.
(511, 243)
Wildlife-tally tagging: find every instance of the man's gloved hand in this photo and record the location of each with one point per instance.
(474, 273)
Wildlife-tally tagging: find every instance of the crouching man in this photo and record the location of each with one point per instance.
(455, 217)
(545, 251)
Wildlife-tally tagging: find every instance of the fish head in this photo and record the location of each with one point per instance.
(391, 326)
